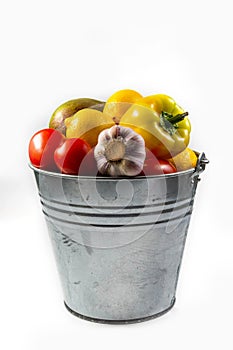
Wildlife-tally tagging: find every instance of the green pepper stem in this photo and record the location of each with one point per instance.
(177, 118)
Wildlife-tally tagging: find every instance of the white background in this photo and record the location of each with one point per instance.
(52, 51)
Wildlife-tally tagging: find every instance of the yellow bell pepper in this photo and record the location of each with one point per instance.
(161, 122)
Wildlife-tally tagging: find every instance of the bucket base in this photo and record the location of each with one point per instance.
(135, 320)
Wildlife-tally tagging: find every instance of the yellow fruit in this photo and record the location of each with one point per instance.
(118, 103)
(184, 160)
(69, 108)
(86, 124)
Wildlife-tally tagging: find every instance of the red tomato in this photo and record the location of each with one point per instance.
(42, 146)
(88, 167)
(155, 166)
(70, 154)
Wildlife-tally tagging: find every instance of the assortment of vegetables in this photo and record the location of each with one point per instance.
(128, 135)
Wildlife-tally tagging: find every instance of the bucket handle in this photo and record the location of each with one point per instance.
(200, 167)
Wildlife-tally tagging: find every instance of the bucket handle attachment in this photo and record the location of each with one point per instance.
(200, 167)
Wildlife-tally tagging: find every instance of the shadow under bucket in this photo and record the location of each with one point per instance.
(118, 242)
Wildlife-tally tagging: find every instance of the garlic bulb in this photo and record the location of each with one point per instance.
(120, 152)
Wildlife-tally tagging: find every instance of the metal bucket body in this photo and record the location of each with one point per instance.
(118, 243)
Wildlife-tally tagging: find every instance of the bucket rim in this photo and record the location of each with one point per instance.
(105, 178)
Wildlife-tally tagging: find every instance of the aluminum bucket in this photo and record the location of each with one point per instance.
(118, 243)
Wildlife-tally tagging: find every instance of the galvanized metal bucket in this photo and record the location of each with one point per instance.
(118, 243)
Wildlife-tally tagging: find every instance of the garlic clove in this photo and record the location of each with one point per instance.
(120, 152)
